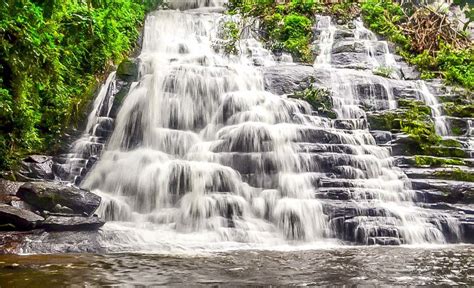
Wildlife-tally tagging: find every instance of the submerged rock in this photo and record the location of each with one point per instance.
(13, 218)
(47, 195)
(76, 223)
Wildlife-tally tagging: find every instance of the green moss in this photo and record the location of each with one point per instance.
(388, 121)
(436, 161)
(450, 143)
(457, 110)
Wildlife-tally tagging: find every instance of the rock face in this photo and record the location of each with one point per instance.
(8, 190)
(36, 167)
(46, 196)
(58, 223)
(18, 219)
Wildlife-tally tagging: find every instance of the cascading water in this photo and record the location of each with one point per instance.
(441, 126)
(86, 150)
(201, 154)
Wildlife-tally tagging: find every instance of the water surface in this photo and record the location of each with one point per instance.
(378, 266)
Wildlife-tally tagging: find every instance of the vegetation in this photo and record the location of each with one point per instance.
(50, 55)
(319, 98)
(443, 52)
(231, 36)
(285, 26)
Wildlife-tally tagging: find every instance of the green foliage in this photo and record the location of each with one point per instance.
(50, 53)
(383, 17)
(456, 66)
(319, 98)
(284, 27)
(231, 35)
(296, 36)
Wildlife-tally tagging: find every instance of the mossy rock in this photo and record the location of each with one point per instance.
(386, 121)
(455, 174)
(461, 111)
(128, 70)
(442, 151)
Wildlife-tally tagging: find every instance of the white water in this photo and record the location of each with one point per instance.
(202, 156)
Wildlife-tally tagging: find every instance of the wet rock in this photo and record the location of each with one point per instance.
(348, 46)
(430, 196)
(357, 46)
(392, 241)
(408, 72)
(381, 137)
(128, 70)
(286, 79)
(59, 223)
(351, 60)
(18, 219)
(36, 167)
(455, 191)
(343, 33)
(46, 195)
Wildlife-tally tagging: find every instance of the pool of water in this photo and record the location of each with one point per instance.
(434, 265)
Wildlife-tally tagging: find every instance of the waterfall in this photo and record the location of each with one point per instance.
(201, 153)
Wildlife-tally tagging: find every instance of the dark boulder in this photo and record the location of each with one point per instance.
(47, 196)
(36, 167)
(12, 218)
(76, 223)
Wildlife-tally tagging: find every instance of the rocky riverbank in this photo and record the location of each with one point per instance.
(37, 208)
